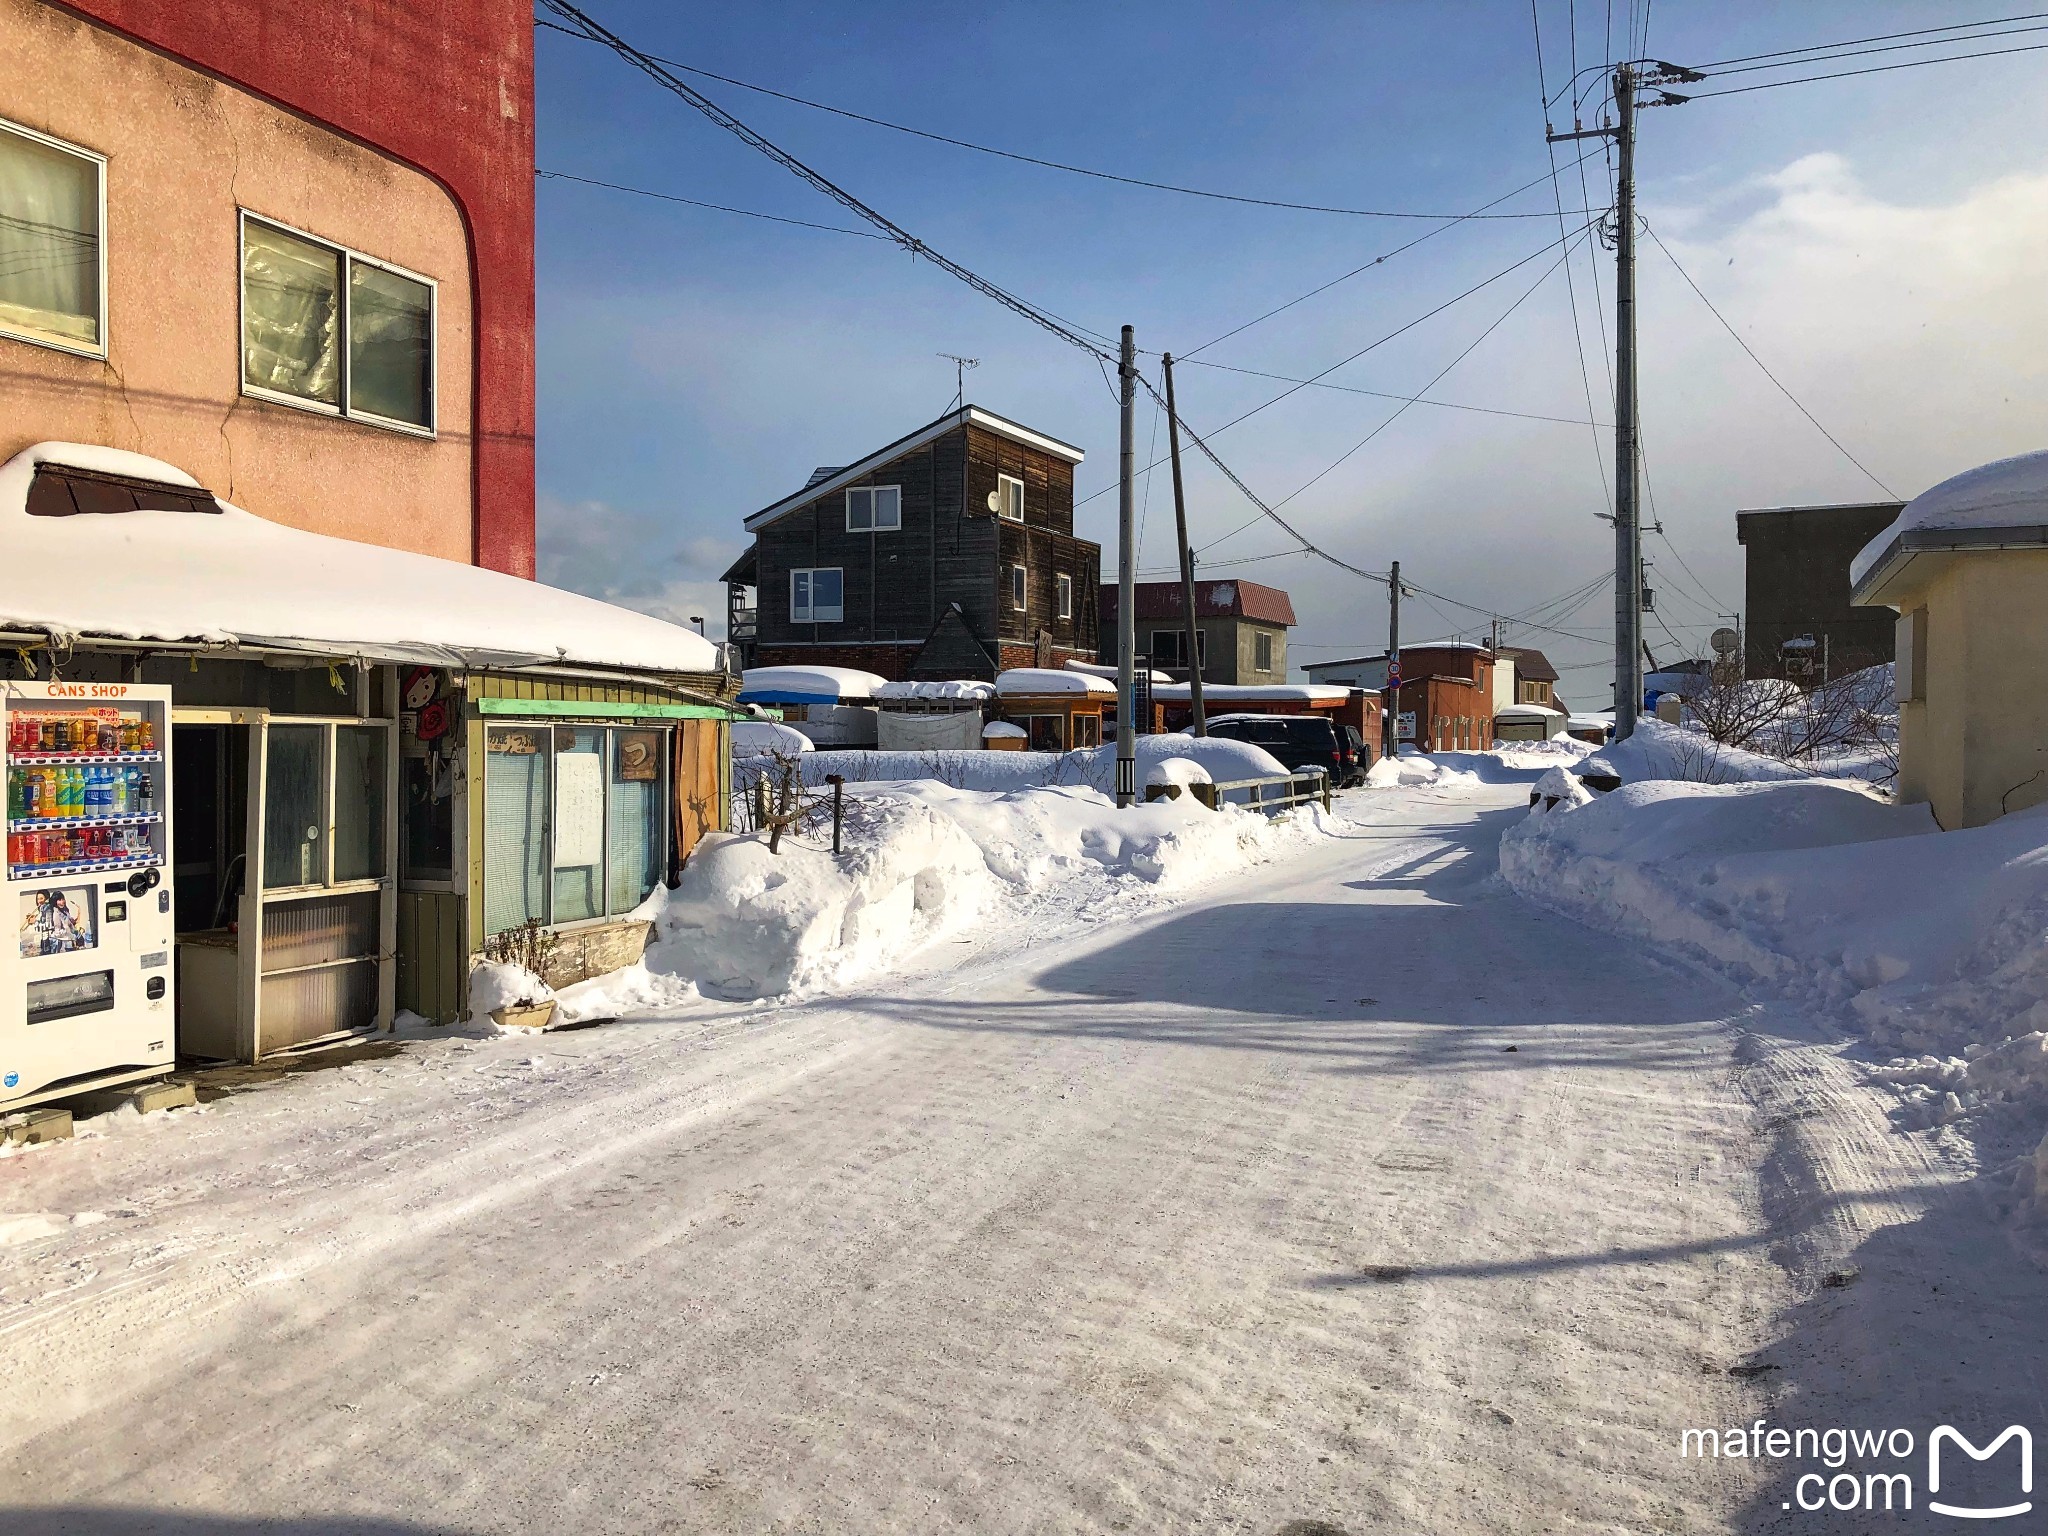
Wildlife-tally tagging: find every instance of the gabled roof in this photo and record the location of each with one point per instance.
(1213, 600)
(1530, 666)
(822, 484)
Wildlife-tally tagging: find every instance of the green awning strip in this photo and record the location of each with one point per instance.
(594, 709)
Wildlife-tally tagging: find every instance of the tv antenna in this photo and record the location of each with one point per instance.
(960, 367)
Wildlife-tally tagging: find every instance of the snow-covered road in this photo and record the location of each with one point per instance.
(1352, 1191)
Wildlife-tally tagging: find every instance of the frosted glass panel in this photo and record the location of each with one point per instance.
(634, 838)
(515, 827)
(294, 815)
(358, 802)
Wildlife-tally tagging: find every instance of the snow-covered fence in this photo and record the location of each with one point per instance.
(1270, 795)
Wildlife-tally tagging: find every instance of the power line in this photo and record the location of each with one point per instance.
(670, 197)
(1875, 69)
(1714, 73)
(1400, 410)
(1881, 37)
(1007, 154)
(1382, 394)
(1824, 432)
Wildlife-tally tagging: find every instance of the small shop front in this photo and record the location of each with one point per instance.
(342, 818)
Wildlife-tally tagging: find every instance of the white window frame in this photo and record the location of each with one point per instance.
(349, 259)
(1262, 641)
(57, 344)
(1020, 589)
(872, 493)
(809, 615)
(1004, 499)
(1063, 589)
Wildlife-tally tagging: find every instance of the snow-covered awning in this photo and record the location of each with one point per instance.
(1038, 682)
(808, 685)
(231, 578)
(960, 691)
(2001, 505)
(1527, 712)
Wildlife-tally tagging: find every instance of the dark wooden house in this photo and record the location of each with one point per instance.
(949, 553)
(1798, 621)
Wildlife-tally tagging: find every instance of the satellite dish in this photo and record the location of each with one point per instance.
(994, 501)
(1724, 641)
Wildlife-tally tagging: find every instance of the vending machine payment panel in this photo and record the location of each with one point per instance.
(87, 979)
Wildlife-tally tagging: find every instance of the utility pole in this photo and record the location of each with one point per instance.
(1187, 559)
(1390, 702)
(1126, 600)
(1628, 532)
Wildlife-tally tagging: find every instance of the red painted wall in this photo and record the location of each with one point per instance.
(447, 87)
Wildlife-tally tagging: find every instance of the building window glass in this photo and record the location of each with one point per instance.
(51, 287)
(817, 595)
(358, 802)
(575, 821)
(1010, 497)
(1017, 587)
(1063, 586)
(1262, 652)
(1169, 647)
(874, 509)
(1048, 732)
(301, 297)
(294, 809)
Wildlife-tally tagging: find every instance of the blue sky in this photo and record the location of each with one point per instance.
(1875, 240)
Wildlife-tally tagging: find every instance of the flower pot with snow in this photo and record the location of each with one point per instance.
(524, 1015)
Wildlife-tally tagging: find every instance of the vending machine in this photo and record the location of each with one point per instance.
(86, 986)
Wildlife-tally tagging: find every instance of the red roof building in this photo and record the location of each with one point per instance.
(1241, 629)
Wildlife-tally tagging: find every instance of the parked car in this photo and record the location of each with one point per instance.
(1301, 742)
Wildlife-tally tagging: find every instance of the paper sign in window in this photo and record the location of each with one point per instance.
(579, 809)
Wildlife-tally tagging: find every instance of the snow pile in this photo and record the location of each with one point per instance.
(1932, 944)
(495, 984)
(1176, 771)
(768, 738)
(1512, 763)
(966, 689)
(923, 860)
(1559, 788)
(1660, 750)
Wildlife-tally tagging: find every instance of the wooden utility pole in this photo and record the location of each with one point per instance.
(1126, 603)
(1390, 722)
(1187, 560)
(1628, 532)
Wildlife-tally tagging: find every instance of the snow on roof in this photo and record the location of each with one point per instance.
(1025, 681)
(237, 578)
(807, 685)
(1002, 730)
(1527, 712)
(2002, 502)
(1255, 693)
(1096, 669)
(963, 688)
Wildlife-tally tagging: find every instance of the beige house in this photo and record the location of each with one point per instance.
(1966, 568)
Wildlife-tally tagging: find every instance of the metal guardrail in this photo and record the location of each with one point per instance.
(1269, 796)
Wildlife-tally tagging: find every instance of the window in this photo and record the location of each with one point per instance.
(323, 805)
(1063, 586)
(1010, 498)
(1048, 732)
(874, 509)
(1262, 652)
(575, 824)
(817, 596)
(1169, 647)
(1017, 587)
(52, 263)
(329, 330)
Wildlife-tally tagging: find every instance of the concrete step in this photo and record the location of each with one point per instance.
(27, 1127)
(147, 1098)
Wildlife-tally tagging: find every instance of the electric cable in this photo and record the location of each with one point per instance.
(670, 197)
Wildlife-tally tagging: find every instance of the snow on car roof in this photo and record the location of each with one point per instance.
(1043, 680)
(1256, 693)
(807, 685)
(2006, 495)
(237, 578)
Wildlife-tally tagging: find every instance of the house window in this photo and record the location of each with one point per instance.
(1017, 587)
(1169, 647)
(1010, 497)
(817, 596)
(52, 262)
(329, 330)
(1063, 587)
(874, 509)
(1262, 652)
(574, 821)
(323, 805)
(1048, 732)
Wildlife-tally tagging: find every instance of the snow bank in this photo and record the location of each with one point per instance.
(1095, 767)
(1660, 750)
(1928, 943)
(923, 861)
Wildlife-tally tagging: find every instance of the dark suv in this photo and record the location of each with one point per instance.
(1300, 741)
